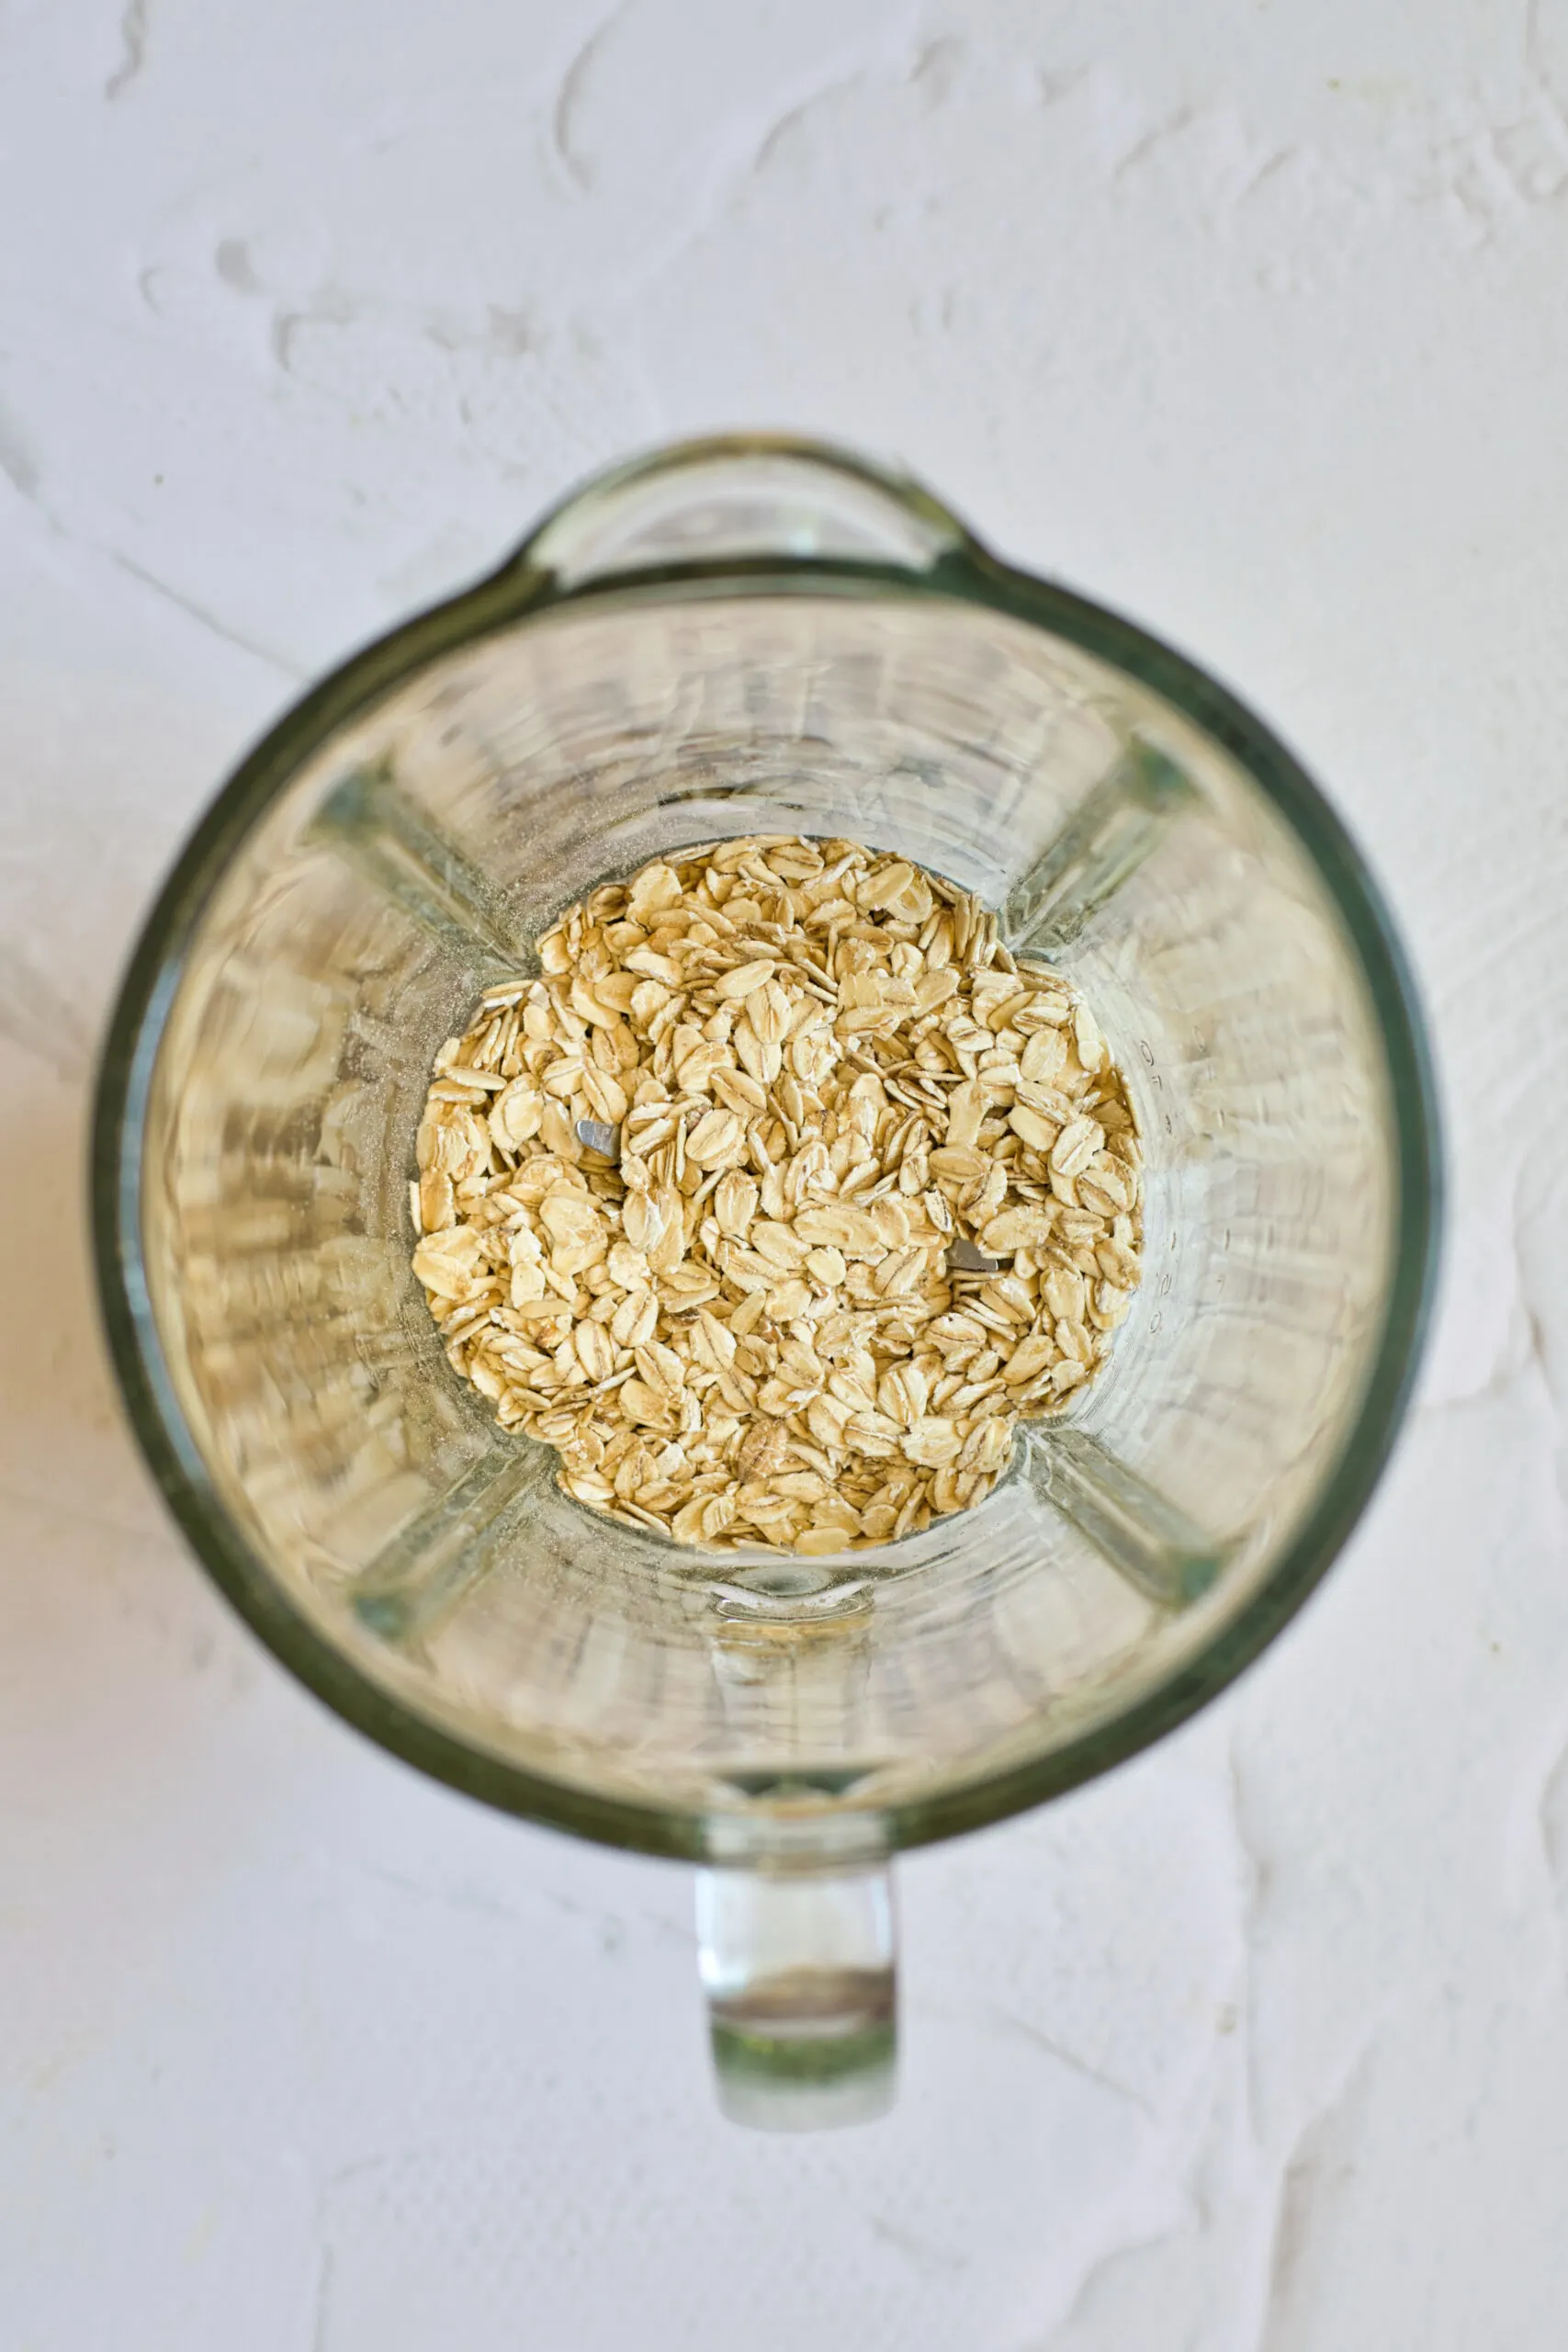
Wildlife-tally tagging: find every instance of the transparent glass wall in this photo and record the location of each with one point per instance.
(415, 858)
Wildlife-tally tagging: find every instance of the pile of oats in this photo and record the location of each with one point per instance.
(779, 1198)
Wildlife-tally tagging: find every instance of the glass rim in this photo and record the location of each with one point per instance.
(963, 572)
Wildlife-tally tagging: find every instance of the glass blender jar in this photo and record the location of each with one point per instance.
(762, 635)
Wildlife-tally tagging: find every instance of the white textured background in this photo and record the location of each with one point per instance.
(1247, 316)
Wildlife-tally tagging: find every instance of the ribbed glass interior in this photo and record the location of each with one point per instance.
(417, 855)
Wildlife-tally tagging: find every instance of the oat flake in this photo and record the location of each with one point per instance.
(779, 1198)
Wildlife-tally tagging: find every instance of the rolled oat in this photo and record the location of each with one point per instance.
(779, 1198)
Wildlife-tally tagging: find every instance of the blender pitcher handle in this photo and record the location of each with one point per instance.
(797, 1957)
(737, 497)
